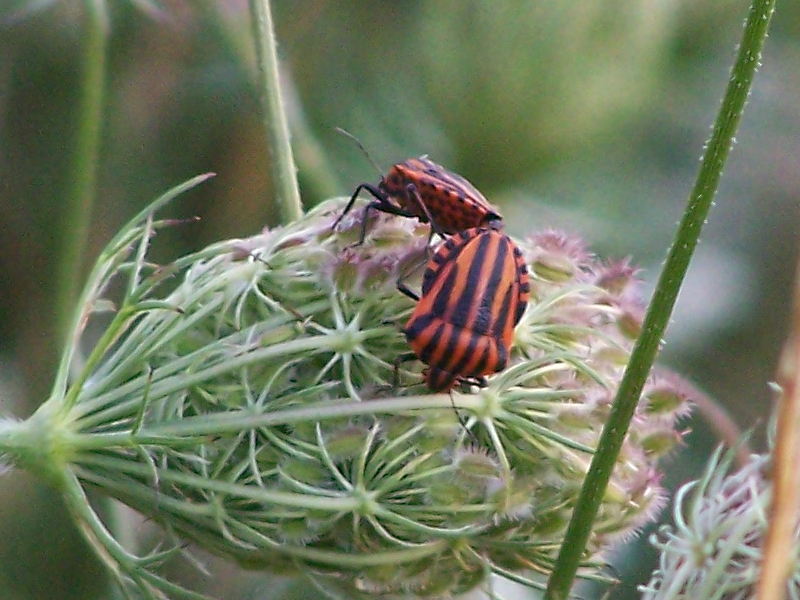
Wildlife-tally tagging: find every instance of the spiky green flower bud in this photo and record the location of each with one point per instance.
(248, 397)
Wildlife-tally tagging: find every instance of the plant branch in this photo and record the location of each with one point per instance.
(663, 301)
(284, 173)
(77, 209)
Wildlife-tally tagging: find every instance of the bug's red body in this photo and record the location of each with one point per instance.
(451, 200)
(474, 292)
(420, 188)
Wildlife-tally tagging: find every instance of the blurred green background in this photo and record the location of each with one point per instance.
(585, 116)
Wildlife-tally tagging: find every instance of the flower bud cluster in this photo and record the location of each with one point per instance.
(259, 407)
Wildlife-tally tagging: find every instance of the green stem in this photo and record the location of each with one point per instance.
(318, 178)
(339, 503)
(235, 421)
(284, 173)
(79, 198)
(124, 566)
(661, 305)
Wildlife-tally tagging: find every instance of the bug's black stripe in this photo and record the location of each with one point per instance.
(460, 314)
(427, 174)
(469, 352)
(522, 268)
(440, 258)
(442, 298)
(452, 242)
(430, 347)
(505, 309)
(482, 367)
(521, 305)
(450, 349)
(456, 182)
(484, 317)
(502, 357)
(418, 325)
(427, 279)
(439, 380)
(524, 286)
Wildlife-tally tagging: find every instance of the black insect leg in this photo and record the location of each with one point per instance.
(462, 422)
(404, 289)
(412, 192)
(376, 192)
(380, 203)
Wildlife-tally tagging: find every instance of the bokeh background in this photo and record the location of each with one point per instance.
(585, 116)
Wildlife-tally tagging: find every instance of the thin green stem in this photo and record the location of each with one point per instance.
(78, 200)
(234, 421)
(121, 465)
(317, 176)
(124, 566)
(284, 173)
(663, 301)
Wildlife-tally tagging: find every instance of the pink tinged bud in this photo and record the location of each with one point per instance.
(618, 278)
(516, 502)
(660, 443)
(610, 356)
(343, 270)
(630, 321)
(662, 400)
(557, 256)
(575, 417)
(668, 394)
(475, 464)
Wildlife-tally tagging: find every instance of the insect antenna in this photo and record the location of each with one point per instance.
(358, 143)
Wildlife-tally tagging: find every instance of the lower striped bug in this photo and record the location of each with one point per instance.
(418, 187)
(474, 292)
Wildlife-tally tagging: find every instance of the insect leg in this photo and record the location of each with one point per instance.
(404, 289)
(380, 196)
(412, 191)
(462, 422)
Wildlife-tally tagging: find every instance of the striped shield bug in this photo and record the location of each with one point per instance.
(418, 187)
(474, 292)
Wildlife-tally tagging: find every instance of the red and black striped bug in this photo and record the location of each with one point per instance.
(474, 292)
(418, 187)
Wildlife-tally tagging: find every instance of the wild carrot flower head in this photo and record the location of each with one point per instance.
(249, 397)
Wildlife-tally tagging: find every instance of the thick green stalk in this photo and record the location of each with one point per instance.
(663, 301)
(284, 173)
(77, 208)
